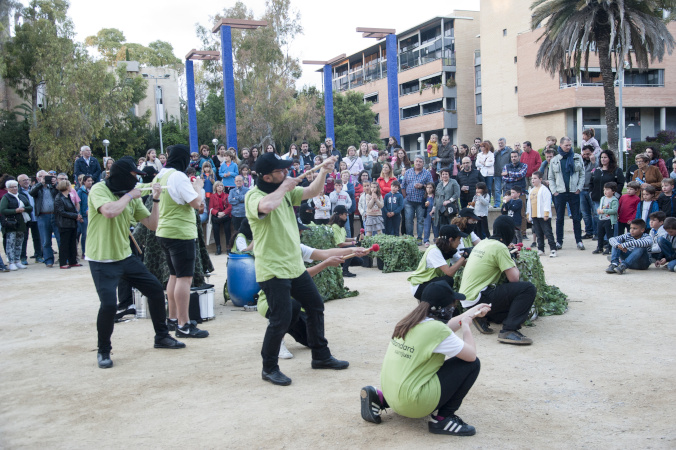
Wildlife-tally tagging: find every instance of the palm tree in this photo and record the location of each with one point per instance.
(634, 29)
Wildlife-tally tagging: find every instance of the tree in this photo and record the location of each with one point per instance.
(632, 30)
(353, 121)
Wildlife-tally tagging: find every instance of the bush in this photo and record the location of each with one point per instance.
(398, 253)
(666, 137)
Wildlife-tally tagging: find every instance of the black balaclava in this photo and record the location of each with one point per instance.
(503, 230)
(447, 251)
(121, 180)
(266, 187)
(179, 157)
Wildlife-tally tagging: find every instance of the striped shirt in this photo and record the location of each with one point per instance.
(629, 242)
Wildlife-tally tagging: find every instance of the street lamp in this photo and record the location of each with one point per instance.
(157, 109)
(106, 142)
(215, 142)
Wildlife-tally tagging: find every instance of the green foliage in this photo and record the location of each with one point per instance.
(329, 281)
(14, 143)
(353, 121)
(398, 253)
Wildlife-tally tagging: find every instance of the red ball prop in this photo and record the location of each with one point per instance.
(375, 247)
(362, 231)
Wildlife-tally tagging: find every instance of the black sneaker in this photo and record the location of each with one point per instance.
(620, 269)
(276, 377)
(130, 310)
(597, 251)
(370, 405)
(606, 251)
(168, 342)
(329, 363)
(587, 236)
(172, 324)
(451, 425)
(481, 324)
(104, 360)
(349, 275)
(611, 268)
(513, 337)
(190, 330)
(559, 245)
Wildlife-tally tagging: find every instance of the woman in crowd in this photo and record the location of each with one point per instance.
(485, 161)
(252, 164)
(151, 160)
(656, 161)
(204, 156)
(473, 153)
(218, 159)
(605, 173)
(14, 213)
(66, 217)
(402, 162)
(385, 179)
(446, 199)
(392, 146)
(460, 153)
(228, 171)
(106, 173)
(292, 153)
(366, 158)
(270, 149)
(246, 154)
(416, 377)
(353, 163)
(645, 173)
(163, 159)
(323, 152)
(220, 210)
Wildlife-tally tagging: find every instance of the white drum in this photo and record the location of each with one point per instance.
(206, 303)
(141, 304)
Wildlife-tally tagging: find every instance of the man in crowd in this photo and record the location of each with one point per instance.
(517, 147)
(467, 180)
(333, 152)
(510, 302)
(566, 180)
(502, 157)
(279, 265)
(306, 154)
(532, 159)
(31, 225)
(445, 153)
(414, 185)
(44, 192)
(86, 164)
(514, 174)
(112, 206)
(587, 207)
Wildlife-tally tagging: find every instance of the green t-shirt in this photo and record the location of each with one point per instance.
(175, 221)
(409, 374)
(339, 234)
(484, 267)
(108, 239)
(278, 253)
(422, 273)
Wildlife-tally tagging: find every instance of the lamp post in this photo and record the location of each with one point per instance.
(157, 109)
(106, 142)
(215, 142)
(620, 83)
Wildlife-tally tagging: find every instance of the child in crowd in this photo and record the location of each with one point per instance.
(673, 171)
(341, 197)
(668, 245)
(657, 232)
(429, 220)
(295, 169)
(322, 206)
(432, 150)
(511, 206)
(209, 180)
(647, 205)
(348, 187)
(338, 221)
(482, 200)
(539, 212)
(373, 210)
(607, 219)
(141, 162)
(667, 199)
(247, 179)
(630, 250)
(628, 204)
(394, 204)
(551, 141)
(195, 162)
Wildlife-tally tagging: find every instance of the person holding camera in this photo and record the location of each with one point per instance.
(436, 264)
(446, 198)
(44, 192)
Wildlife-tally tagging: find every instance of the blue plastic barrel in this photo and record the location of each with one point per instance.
(241, 283)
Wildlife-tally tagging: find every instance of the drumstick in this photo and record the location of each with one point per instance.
(150, 188)
(314, 169)
(135, 243)
(374, 248)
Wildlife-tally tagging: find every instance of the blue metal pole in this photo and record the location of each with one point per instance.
(393, 85)
(228, 86)
(192, 113)
(328, 102)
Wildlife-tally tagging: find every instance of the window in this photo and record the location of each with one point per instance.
(373, 98)
(652, 77)
(409, 87)
(433, 107)
(408, 44)
(430, 35)
(477, 76)
(478, 104)
(515, 60)
(376, 119)
(450, 103)
(429, 82)
(504, 32)
(516, 89)
(410, 111)
(432, 52)
(448, 29)
(371, 69)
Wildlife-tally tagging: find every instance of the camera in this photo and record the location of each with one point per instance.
(48, 179)
(466, 252)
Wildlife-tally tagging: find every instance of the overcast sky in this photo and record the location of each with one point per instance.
(328, 27)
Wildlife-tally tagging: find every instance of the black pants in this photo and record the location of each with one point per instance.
(37, 244)
(456, 378)
(604, 231)
(279, 292)
(622, 228)
(107, 277)
(221, 222)
(543, 229)
(511, 303)
(484, 232)
(421, 287)
(68, 246)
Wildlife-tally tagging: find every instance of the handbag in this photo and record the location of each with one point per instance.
(11, 223)
(450, 210)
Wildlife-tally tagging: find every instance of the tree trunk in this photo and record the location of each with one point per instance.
(605, 63)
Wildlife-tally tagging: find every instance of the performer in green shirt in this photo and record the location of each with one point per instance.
(416, 377)
(113, 204)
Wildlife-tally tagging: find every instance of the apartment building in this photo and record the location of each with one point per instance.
(436, 71)
(520, 102)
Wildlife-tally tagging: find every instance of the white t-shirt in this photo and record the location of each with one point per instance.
(307, 253)
(179, 187)
(646, 211)
(450, 346)
(435, 259)
(240, 243)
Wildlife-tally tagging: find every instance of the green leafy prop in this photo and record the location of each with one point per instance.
(329, 281)
(549, 299)
(399, 254)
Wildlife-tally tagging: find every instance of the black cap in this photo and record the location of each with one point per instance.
(127, 164)
(340, 209)
(468, 212)
(451, 232)
(268, 162)
(440, 295)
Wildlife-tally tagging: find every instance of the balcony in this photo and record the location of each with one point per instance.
(450, 119)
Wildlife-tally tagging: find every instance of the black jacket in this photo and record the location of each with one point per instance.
(469, 179)
(65, 212)
(599, 178)
(93, 168)
(447, 156)
(667, 204)
(7, 206)
(37, 192)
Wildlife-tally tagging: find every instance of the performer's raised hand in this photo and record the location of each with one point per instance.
(135, 193)
(328, 164)
(289, 184)
(157, 190)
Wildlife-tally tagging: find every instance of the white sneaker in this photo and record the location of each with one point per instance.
(21, 266)
(284, 353)
(552, 254)
(540, 253)
(13, 267)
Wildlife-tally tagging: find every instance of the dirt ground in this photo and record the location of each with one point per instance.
(600, 376)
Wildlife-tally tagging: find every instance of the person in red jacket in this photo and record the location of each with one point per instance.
(221, 211)
(628, 204)
(532, 159)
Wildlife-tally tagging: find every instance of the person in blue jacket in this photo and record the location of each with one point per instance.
(236, 199)
(394, 204)
(228, 170)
